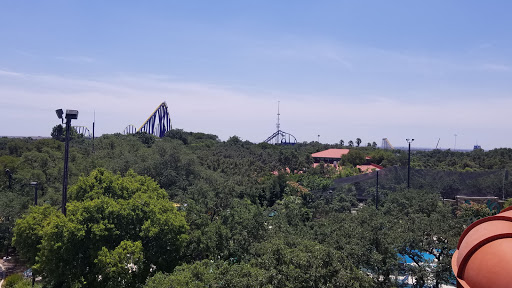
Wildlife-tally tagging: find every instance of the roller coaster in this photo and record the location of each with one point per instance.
(386, 144)
(82, 130)
(157, 124)
(280, 137)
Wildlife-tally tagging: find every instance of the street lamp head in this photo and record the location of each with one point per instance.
(71, 114)
(33, 183)
(59, 113)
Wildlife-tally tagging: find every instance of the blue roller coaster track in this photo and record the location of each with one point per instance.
(281, 138)
(130, 129)
(158, 123)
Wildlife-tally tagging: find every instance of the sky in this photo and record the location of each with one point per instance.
(427, 70)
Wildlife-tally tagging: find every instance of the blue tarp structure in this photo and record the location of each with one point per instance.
(426, 257)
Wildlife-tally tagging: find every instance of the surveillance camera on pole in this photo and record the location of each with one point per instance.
(70, 115)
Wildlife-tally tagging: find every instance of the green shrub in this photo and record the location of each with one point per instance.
(12, 280)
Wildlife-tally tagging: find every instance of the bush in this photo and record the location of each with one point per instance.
(12, 280)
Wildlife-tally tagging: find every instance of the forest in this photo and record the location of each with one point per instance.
(190, 210)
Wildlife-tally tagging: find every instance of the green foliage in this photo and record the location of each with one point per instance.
(193, 138)
(118, 227)
(354, 157)
(507, 203)
(469, 213)
(121, 266)
(17, 281)
(146, 138)
(13, 280)
(210, 274)
(59, 133)
(248, 227)
(275, 264)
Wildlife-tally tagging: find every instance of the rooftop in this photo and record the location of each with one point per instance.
(330, 153)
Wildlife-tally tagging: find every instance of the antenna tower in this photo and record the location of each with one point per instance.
(280, 137)
(278, 126)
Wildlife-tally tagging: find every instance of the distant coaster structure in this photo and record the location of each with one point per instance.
(158, 123)
(82, 130)
(386, 144)
(280, 137)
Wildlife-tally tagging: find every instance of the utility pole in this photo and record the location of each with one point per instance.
(9, 175)
(34, 183)
(377, 192)
(409, 164)
(505, 178)
(93, 123)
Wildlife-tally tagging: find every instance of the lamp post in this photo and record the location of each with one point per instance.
(409, 164)
(377, 192)
(318, 138)
(70, 114)
(34, 183)
(9, 175)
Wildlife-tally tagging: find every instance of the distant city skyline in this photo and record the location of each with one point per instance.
(340, 69)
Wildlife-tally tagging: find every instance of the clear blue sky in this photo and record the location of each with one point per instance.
(341, 69)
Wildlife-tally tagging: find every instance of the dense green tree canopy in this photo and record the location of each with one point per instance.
(117, 231)
(246, 215)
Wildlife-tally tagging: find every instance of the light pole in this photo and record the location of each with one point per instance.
(318, 138)
(70, 114)
(409, 164)
(377, 192)
(9, 175)
(455, 144)
(34, 183)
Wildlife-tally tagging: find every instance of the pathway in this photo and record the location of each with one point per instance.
(2, 275)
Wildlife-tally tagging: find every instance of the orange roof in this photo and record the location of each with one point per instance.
(369, 168)
(330, 153)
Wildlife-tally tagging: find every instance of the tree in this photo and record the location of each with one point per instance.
(342, 143)
(293, 262)
(208, 273)
(354, 157)
(178, 134)
(118, 230)
(351, 143)
(59, 133)
(146, 138)
(234, 140)
(374, 145)
(358, 141)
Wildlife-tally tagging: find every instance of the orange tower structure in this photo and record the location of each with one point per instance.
(484, 253)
